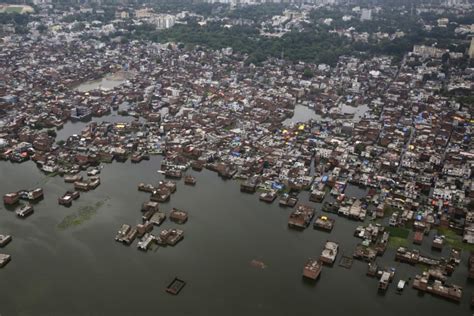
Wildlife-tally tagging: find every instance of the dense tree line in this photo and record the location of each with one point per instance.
(308, 46)
(15, 18)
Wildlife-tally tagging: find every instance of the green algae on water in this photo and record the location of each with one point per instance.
(84, 214)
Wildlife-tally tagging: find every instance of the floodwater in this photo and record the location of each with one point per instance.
(357, 111)
(302, 114)
(81, 270)
(71, 128)
(105, 83)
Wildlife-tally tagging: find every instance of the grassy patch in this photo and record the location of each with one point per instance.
(398, 232)
(398, 237)
(389, 210)
(85, 213)
(452, 239)
(395, 242)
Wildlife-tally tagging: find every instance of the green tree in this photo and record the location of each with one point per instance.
(308, 73)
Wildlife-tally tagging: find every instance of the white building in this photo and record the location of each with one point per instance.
(471, 49)
(164, 21)
(366, 15)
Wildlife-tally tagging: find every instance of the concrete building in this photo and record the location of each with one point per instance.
(164, 21)
(471, 49)
(143, 13)
(366, 15)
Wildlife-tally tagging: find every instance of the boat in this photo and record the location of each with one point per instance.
(401, 286)
(312, 269)
(175, 286)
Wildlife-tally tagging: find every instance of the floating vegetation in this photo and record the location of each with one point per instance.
(84, 214)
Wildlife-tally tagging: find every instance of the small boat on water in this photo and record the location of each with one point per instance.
(175, 286)
(400, 286)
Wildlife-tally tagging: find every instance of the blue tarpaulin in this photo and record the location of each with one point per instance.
(277, 186)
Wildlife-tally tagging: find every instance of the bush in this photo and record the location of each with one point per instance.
(52, 133)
